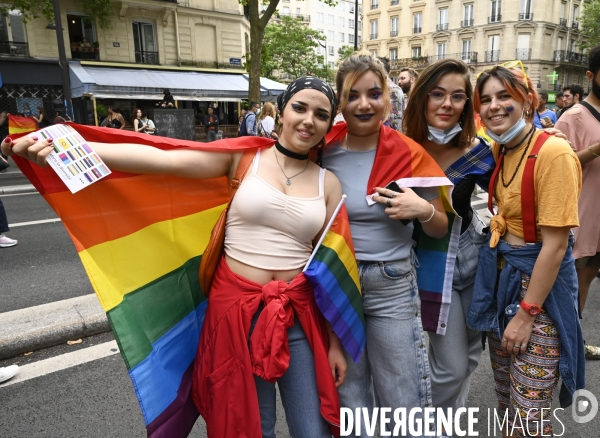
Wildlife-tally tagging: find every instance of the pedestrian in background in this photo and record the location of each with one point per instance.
(42, 119)
(544, 118)
(5, 242)
(560, 103)
(138, 124)
(168, 100)
(150, 127)
(248, 126)
(211, 125)
(266, 122)
(397, 105)
(114, 119)
(7, 373)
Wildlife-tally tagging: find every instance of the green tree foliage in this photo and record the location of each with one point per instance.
(32, 9)
(590, 23)
(289, 47)
(345, 52)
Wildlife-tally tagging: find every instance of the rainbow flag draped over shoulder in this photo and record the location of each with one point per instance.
(141, 238)
(333, 273)
(481, 132)
(400, 159)
(21, 125)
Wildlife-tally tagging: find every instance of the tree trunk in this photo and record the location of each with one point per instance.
(257, 32)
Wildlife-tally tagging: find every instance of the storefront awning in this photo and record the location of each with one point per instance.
(122, 83)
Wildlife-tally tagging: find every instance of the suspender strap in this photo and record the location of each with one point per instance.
(493, 180)
(528, 191)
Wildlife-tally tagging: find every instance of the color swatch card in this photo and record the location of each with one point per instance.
(73, 159)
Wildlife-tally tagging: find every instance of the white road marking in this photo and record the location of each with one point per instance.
(43, 221)
(20, 194)
(58, 363)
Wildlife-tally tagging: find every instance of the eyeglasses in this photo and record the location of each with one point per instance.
(456, 98)
(509, 65)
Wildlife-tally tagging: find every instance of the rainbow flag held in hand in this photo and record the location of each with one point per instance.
(21, 125)
(481, 129)
(333, 272)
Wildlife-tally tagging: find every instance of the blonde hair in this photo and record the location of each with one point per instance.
(267, 110)
(351, 69)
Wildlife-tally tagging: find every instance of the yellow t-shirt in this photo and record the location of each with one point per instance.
(557, 179)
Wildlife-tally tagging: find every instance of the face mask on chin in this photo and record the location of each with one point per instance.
(440, 136)
(509, 135)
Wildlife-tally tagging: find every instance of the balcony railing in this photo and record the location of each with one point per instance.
(525, 17)
(374, 36)
(14, 48)
(442, 26)
(495, 19)
(575, 25)
(562, 22)
(84, 53)
(374, 5)
(523, 54)
(467, 23)
(394, 2)
(418, 62)
(492, 55)
(572, 57)
(393, 33)
(144, 57)
(416, 30)
(300, 17)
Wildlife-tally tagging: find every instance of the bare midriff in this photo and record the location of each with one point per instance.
(512, 239)
(260, 276)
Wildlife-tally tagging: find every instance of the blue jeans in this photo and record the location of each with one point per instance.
(454, 356)
(298, 390)
(393, 370)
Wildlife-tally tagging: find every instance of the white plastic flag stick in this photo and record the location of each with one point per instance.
(333, 216)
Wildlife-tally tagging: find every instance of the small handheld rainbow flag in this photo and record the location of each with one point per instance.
(333, 272)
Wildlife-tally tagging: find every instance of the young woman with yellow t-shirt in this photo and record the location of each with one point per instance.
(525, 294)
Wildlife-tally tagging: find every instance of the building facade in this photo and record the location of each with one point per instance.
(151, 35)
(543, 34)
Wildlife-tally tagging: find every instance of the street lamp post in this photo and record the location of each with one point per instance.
(62, 58)
(355, 25)
(326, 63)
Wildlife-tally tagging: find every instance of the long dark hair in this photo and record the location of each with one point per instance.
(414, 124)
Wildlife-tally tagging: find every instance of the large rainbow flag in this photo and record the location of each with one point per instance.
(400, 159)
(140, 238)
(21, 125)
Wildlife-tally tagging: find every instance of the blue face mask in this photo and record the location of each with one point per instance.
(509, 135)
(439, 136)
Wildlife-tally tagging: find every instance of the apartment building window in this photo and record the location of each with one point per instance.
(359, 9)
(359, 40)
(330, 35)
(467, 20)
(560, 43)
(373, 29)
(298, 12)
(441, 50)
(331, 19)
(144, 43)
(373, 53)
(351, 8)
(466, 51)
(350, 23)
(319, 50)
(331, 64)
(374, 4)
(417, 22)
(575, 24)
(493, 52)
(341, 21)
(341, 36)
(393, 54)
(394, 2)
(13, 40)
(496, 12)
(331, 50)
(563, 10)
(415, 51)
(526, 10)
(394, 27)
(320, 17)
(341, 6)
(81, 27)
(351, 38)
(286, 11)
(523, 48)
(443, 19)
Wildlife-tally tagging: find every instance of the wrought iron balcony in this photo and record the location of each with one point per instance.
(416, 30)
(571, 57)
(418, 62)
(526, 17)
(562, 22)
(575, 25)
(144, 57)
(442, 26)
(469, 57)
(467, 23)
(301, 17)
(374, 36)
(14, 48)
(492, 55)
(374, 5)
(523, 54)
(393, 33)
(495, 19)
(78, 52)
(394, 2)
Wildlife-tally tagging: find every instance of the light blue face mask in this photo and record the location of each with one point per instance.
(509, 135)
(440, 136)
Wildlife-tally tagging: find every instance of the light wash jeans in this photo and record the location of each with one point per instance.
(454, 356)
(393, 370)
(298, 390)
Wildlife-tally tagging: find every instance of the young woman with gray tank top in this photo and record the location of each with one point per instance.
(259, 296)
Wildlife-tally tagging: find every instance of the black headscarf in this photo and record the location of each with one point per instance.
(307, 82)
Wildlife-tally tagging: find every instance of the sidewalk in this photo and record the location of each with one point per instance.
(50, 324)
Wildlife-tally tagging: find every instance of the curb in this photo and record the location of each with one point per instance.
(50, 324)
(12, 190)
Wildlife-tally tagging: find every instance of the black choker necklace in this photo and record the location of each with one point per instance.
(289, 153)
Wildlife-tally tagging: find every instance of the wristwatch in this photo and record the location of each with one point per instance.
(532, 309)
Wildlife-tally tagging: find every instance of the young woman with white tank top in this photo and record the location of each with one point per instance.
(262, 324)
